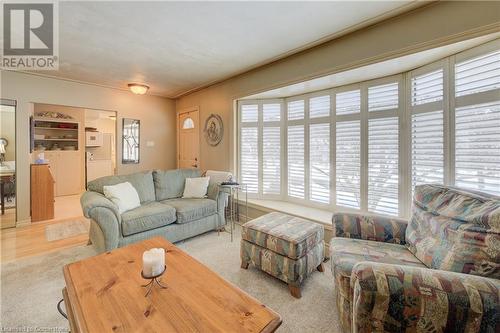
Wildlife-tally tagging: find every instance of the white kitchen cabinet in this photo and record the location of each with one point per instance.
(67, 169)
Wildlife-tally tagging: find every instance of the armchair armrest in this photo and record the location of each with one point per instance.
(405, 299)
(369, 227)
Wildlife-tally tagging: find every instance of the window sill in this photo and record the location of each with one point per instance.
(314, 214)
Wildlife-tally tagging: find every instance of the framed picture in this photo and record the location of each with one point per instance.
(130, 141)
(214, 130)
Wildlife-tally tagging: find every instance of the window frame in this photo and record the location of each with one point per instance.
(403, 113)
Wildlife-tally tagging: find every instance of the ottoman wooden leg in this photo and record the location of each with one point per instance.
(244, 265)
(320, 268)
(295, 291)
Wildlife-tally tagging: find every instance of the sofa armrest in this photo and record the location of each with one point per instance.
(91, 200)
(369, 227)
(403, 298)
(100, 209)
(219, 196)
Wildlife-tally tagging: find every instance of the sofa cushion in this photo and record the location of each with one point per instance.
(345, 253)
(188, 210)
(169, 184)
(146, 217)
(284, 234)
(455, 230)
(141, 181)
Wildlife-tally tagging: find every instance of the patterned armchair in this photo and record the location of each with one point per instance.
(439, 272)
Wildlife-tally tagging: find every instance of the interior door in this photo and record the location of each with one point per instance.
(189, 139)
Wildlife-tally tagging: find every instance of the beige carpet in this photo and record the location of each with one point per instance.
(32, 287)
(67, 229)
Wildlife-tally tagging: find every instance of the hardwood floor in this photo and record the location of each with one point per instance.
(8, 220)
(30, 240)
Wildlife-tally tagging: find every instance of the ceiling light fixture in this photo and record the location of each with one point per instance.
(139, 89)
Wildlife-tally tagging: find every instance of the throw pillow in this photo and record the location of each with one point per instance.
(123, 195)
(196, 187)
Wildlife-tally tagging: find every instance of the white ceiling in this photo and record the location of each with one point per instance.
(175, 47)
(374, 71)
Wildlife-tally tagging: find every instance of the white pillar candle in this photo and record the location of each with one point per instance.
(147, 263)
(153, 262)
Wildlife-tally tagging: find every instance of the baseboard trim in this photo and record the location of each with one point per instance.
(23, 223)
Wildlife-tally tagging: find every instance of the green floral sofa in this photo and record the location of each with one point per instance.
(438, 272)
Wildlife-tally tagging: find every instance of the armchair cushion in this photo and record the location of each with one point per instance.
(394, 298)
(369, 227)
(346, 253)
(454, 230)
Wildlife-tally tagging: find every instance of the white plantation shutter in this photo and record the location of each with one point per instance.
(427, 147)
(249, 113)
(249, 162)
(383, 97)
(319, 162)
(271, 157)
(383, 165)
(296, 167)
(271, 112)
(477, 122)
(319, 106)
(427, 88)
(478, 74)
(427, 127)
(348, 102)
(348, 163)
(296, 110)
(477, 147)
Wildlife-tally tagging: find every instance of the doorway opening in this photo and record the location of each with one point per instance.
(76, 145)
(7, 163)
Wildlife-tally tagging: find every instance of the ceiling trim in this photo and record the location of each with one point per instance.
(364, 24)
(478, 32)
(374, 20)
(84, 82)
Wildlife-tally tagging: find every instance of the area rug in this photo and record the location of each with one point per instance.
(67, 229)
(32, 287)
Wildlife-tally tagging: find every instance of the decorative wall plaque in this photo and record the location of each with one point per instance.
(214, 129)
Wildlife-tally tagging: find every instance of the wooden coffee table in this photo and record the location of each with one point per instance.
(104, 294)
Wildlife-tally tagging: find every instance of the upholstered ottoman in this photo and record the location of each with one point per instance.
(286, 247)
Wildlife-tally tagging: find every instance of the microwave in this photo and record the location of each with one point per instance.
(93, 139)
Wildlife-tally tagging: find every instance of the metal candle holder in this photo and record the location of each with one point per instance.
(154, 279)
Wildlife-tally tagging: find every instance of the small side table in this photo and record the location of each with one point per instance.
(233, 201)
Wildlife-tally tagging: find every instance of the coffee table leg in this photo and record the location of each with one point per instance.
(244, 265)
(321, 268)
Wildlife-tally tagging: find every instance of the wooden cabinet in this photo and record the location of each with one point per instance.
(42, 193)
(67, 168)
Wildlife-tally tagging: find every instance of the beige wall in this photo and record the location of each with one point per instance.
(157, 116)
(427, 27)
(7, 131)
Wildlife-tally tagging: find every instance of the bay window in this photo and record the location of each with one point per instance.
(364, 147)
